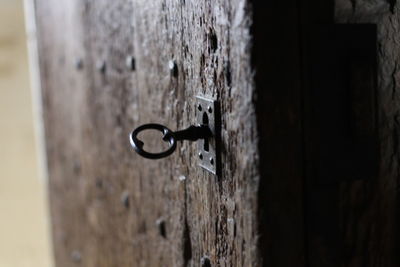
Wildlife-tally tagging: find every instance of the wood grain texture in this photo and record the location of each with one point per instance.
(109, 206)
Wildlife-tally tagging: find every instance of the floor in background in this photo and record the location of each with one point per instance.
(24, 224)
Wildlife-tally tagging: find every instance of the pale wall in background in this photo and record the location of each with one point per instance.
(24, 224)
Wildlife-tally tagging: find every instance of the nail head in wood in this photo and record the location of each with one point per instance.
(130, 63)
(125, 199)
(162, 227)
(173, 68)
(101, 66)
(79, 64)
(205, 262)
(76, 256)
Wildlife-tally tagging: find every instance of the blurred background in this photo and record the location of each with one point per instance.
(24, 221)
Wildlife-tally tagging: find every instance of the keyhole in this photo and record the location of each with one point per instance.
(206, 142)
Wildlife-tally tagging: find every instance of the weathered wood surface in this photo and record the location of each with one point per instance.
(109, 206)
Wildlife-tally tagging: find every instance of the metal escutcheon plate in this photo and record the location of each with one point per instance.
(207, 112)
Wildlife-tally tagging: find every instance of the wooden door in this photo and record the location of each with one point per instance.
(107, 67)
(105, 70)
